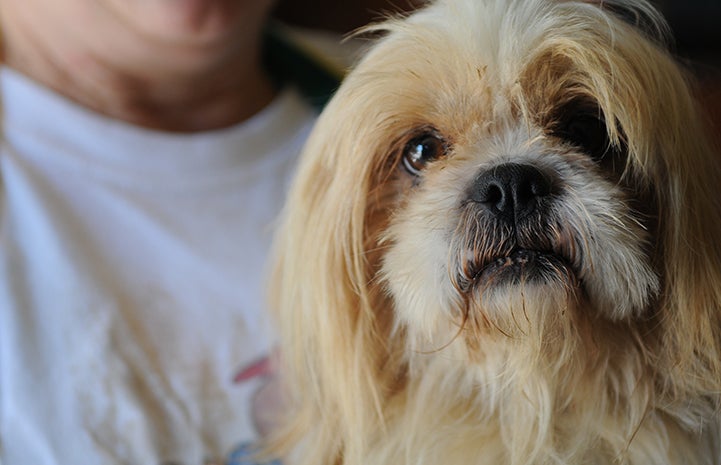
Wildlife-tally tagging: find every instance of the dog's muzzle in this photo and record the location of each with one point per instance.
(507, 233)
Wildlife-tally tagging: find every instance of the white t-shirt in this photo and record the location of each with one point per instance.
(131, 280)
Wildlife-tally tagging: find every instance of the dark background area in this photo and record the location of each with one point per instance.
(338, 16)
(696, 23)
(696, 26)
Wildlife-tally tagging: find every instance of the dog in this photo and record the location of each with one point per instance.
(503, 246)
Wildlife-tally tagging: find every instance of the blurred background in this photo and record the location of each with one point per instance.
(696, 25)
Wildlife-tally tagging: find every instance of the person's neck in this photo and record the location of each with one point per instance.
(167, 95)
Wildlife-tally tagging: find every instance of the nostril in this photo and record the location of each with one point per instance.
(528, 187)
(493, 194)
(523, 192)
(539, 185)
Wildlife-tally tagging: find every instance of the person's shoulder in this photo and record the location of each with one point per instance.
(314, 61)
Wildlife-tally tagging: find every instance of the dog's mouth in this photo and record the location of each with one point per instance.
(517, 267)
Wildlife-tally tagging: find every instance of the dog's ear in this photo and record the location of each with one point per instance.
(690, 318)
(670, 145)
(335, 318)
(689, 234)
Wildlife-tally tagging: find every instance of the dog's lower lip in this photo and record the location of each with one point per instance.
(519, 263)
(516, 257)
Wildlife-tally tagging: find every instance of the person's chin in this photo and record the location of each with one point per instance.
(199, 22)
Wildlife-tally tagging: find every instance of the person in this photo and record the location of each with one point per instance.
(146, 148)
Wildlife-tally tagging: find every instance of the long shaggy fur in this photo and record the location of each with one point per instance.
(404, 340)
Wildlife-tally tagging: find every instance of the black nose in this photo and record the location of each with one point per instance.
(511, 190)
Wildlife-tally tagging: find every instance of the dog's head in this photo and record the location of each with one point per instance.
(527, 177)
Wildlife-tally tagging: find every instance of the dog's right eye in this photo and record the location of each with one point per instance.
(421, 150)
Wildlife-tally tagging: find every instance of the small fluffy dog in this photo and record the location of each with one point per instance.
(504, 247)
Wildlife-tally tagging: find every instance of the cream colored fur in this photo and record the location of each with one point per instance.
(391, 359)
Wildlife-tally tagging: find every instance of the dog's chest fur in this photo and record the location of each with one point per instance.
(494, 414)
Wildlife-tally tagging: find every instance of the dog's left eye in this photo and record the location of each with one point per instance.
(421, 150)
(587, 131)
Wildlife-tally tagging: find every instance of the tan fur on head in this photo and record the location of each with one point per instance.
(425, 321)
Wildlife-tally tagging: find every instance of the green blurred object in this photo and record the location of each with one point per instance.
(289, 64)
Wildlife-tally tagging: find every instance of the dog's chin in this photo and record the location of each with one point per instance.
(521, 293)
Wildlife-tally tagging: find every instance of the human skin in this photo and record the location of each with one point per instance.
(175, 65)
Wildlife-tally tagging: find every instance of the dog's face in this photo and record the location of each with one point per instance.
(509, 180)
(512, 191)
(496, 206)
